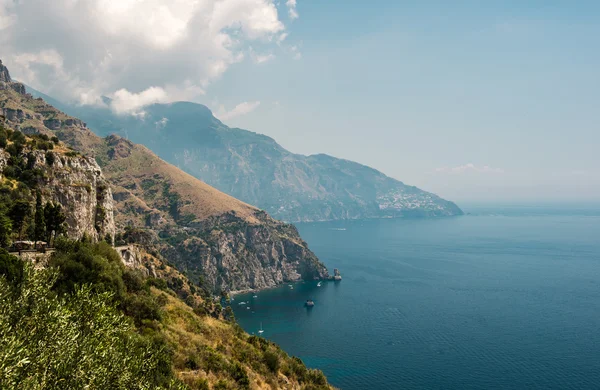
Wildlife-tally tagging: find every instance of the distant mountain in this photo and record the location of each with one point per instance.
(256, 169)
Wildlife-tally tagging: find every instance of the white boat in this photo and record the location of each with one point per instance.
(255, 296)
(261, 331)
(319, 284)
(242, 303)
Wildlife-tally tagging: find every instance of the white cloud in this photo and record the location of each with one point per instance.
(469, 168)
(296, 54)
(124, 101)
(139, 51)
(239, 110)
(292, 11)
(261, 58)
(161, 123)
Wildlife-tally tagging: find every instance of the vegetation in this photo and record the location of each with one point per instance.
(75, 341)
(23, 214)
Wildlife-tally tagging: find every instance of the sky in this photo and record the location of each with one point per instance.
(473, 100)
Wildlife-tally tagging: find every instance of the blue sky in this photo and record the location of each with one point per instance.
(473, 100)
(421, 90)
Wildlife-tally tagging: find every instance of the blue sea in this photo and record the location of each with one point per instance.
(502, 298)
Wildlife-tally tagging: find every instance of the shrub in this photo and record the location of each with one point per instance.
(11, 267)
(191, 363)
(239, 375)
(50, 158)
(84, 263)
(271, 359)
(316, 377)
(141, 308)
(160, 284)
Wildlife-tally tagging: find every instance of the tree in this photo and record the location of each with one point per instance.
(5, 230)
(54, 220)
(40, 226)
(19, 213)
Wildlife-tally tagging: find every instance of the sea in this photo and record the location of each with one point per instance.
(504, 297)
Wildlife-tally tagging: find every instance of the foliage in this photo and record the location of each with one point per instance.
(74, 341)
(54, 221)
(40, 224)
(11, 267)
(271, 360)
(50, 158)
(5, 230)
(19, 212)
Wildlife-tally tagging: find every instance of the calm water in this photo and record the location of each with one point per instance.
(502, 298)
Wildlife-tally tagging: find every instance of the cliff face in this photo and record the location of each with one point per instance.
(77, 184)
(231, 254)
(4, 75)
(232, 245)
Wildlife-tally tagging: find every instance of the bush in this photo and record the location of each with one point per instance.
(50, 158)
(271, 359)
(160, 284)
(239, 375)
(134, 281)
(316, 377)
(11, 267)
(191, 363)
(85, 263)
(141, 308)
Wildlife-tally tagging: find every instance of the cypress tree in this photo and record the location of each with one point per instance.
(40, 226)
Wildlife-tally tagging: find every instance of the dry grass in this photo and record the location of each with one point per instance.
(135, 163)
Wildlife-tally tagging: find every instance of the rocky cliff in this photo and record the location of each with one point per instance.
(232, 245)
(4, 75)
(77, 184)
(68, 179)
(204, 232)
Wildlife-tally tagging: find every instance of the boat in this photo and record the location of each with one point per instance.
(255, 296)
(319, 284)
(242, 303)
(261, 331)
(309, 303)
(291, 287)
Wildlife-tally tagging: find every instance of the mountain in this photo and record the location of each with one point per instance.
(204, 232)
(256, 169)
(83, 315)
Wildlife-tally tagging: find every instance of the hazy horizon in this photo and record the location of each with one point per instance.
(474, 103)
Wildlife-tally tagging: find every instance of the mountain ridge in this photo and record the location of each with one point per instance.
(254, 168)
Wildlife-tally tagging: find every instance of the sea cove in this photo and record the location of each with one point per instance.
(506, 297)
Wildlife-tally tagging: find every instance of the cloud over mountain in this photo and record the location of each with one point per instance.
(135, 51)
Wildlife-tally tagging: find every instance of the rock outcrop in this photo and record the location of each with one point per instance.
(4, 75)
(231, 254)
(77, 184)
